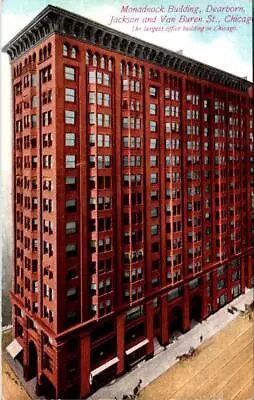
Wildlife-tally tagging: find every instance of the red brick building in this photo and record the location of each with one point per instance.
(132, 181)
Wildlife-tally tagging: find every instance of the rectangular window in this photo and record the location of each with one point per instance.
(34, 102)
(154, 212)
(125, 122)
(91, 97)
(70, 227)
(167, 94)
(71, 205)
(69, 73)
(154, 178)
(100, 119)
(137, 87)
(106, 79)
(70, 95)
(70, 161)
(70, 182)
(99, 78)
(72, 293)
(33, 80)
(99, 98)
(71, 250)
(153, 91)
(153, 161)
(125, 85)
(92, 118)
(153, 109)
(92, 77)
(33, 120)
(106, 120)
(70, 139)
(154, 230)
(106, 100)
(153, 126)
(153, 143)
(70, 117)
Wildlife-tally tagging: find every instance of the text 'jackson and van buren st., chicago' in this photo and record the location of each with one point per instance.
(181, 14)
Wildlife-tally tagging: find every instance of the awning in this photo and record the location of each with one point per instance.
(134, 348)
(14, 348)
(104, 366)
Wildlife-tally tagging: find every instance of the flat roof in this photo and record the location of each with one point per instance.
(57, 20)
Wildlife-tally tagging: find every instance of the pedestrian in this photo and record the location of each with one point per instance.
(165, 347)
(201, 338)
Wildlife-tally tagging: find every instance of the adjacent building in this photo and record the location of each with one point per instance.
(133, 175)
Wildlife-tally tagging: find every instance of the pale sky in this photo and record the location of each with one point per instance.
(227, 51)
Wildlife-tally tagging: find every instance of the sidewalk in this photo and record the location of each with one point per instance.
(164, 359)
(16, 367)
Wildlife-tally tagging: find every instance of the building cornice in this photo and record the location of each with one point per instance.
(56, 20)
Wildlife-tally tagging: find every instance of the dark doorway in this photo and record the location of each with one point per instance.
(175, 320)
(20, 357)
(32, 360)
(48, 390)
(196, 308)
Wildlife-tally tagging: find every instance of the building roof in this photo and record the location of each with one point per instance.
(57, 20)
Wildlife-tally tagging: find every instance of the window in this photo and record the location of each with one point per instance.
(106, 100)
(92, 77)
(74, 52)
(33, 120)
(153, 109)
(153, 91)
(91, 97)
(153, 143)
(154, 178)
(125, 122)
(34, 102)
(65, 50)
(153, 161)
(92, 118)
(71, 205)
(153, 126)
(70, 161)
(99, 98)
(106, 80)
(222, 300)
(35, 287)
(134, 313)
(70, 117)
(107, 120)
(154, 212)
(167, 94)
(47, 118)
(71, 250)
(175, 293)
(154, 229)
(47, 161)
(69, 73)
(70, 182)
(221, 284)
(70, 139)
(70, 95)
(103, 140)
(33, 80)
(72, 317)
(70, 227)
(72, 293)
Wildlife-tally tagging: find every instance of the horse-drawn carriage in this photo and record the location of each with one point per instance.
(186, 356)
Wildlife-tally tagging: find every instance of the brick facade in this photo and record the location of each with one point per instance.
(132, 206)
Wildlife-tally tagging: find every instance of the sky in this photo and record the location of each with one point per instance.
(230, 51)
